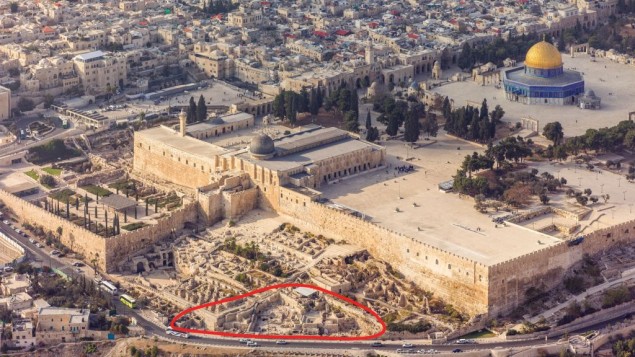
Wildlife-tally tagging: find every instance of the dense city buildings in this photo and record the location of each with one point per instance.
(411, 172)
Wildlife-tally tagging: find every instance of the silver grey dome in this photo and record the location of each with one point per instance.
(262, 145)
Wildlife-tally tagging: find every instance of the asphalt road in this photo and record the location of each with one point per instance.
(42, 256)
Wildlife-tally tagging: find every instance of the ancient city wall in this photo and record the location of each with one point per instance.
(238, 203)
(455, 279)
(156, 158)
(78, 239)
(122, 246)
(106, 251)
(544, 269)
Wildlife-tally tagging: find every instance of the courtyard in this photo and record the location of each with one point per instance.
(412, 204)
(609, 80)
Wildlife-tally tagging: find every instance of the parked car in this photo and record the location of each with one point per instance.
(5, 222)
(376, 344)
(281, 342)
(252, 344)
(38, 245)
(55, 252)
(32, 241)
(407, 345)
(457, 350)
(78, 264)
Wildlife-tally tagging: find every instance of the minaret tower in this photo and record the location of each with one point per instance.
(182, 121)
(370, 52)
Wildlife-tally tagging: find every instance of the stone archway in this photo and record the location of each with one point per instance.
(358, 83)
(140, 267)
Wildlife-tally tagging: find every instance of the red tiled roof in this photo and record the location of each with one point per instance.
(373, 25)
(48, 29)
(342, 32)
(413, 36)
(320, 33)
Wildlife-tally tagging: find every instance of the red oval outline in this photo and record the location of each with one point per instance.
(274, 337)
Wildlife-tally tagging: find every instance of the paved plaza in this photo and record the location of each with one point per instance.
(441, 220)
(609, 80)
(451, 223)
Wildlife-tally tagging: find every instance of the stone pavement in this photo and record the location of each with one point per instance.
(609, 80)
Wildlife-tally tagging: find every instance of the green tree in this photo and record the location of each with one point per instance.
(368, 121)
(290, 105)
(191, 111)
(351, 122)
(372, 134)
(483, 113)
(393, 124)
(314, 105)
(201, 109)
(14, 7)
(497, 114)
(412, 129)
(25, 104)
(465, 60)
(48, 101)
(447, 108)
(553, 131)
(47, 180)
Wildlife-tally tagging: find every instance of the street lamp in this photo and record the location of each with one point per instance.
(624, 192)
(602, 188)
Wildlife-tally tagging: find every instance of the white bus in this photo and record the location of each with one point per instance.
(169, 331)
(109, 287)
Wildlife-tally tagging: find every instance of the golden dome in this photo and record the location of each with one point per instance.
(543, 55)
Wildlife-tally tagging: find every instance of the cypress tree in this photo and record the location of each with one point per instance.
(314, 105)
(484, 110)
(191, 111)
(201, 109)
(393, 125)
(368, 122)
(447, 109)
(412, 129)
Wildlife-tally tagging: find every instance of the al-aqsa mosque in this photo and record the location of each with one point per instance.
(542, 80)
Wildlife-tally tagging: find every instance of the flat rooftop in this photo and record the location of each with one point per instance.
(170, 137)
(309, 156)
(219, 121)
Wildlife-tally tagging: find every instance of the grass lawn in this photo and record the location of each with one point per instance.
(63, 195)
(52, 171)
(97, 190)
(133, 226)
(484, 333)
(32, 174)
